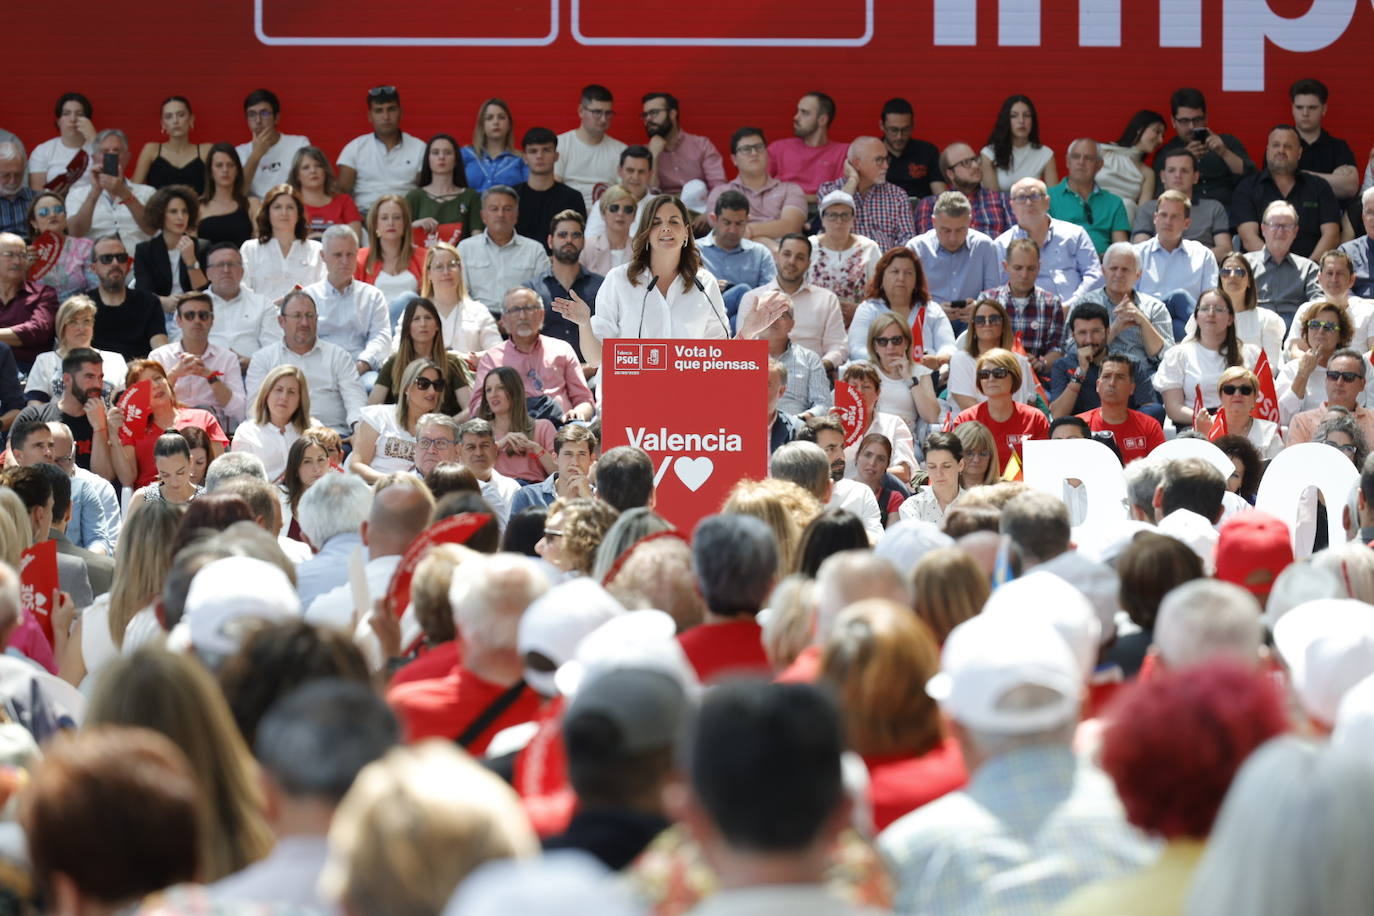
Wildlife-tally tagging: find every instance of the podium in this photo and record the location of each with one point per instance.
(699, 408)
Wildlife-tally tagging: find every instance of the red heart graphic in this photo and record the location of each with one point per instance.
(47, 249)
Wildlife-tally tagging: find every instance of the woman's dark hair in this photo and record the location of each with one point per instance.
(875, 286)
(486, 539)
(405, 346)
(225, 149)
(460, 177)
(945, 442)
(1237, 259)
(523, 531)
(156, 208)
(212, 511)
(264, 226)
(830, 532)
(1230, 348)
(331, 181)
(1150, 567)
(1077, 423)
(1242, 448)
(451, 477)
(690, 261)
(171, 444)
(1140, 122)
(1000, 138)
(66, 97)
(291, 479)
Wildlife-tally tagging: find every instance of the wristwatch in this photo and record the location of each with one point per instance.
(194, 266)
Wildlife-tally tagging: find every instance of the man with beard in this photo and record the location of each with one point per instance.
(818, 323)
(15, 194)
(81, 409)
(809, 157)
(566, 273)
(127, 321)
(679, 157)
(549, 366)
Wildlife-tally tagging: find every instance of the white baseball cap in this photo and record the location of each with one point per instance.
(228, 595)
(1045, 598)
(1328, 646)
(558, 620)
(836, 197)
(634, 639)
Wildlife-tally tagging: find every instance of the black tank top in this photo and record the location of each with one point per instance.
(229, 227)
(162, 173)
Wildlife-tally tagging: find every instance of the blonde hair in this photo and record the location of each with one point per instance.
(375, 256)
(612, 194)
(414, 825)
(69, 311)
(408, 377)
(16, 532)
(301, 418)
(782, 506)
(585, 523)
(975, 435)
(791, 625)
(950, 588)
(142, 558)
(971, 345)
(1000, 357)
(427, 285)
(1238, 374)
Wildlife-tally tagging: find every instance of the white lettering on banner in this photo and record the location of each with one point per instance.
(1047, 463)
(664, 441)
(1297, 469)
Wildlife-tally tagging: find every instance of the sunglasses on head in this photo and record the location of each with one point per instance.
(889, 341)
(987, 319)
(1333, 376)
(424, 384)
(1315, 325)
(381, 92)
(1245, 390)
(111, 258)
(995, 372)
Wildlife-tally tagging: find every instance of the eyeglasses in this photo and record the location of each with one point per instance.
(995, 372)
(550, 533)
(1348, 448)
(225, 265)
(840, 216)
(607, 113)
(424, 384)
(652, 113)
(987, 319)
(1212, 310)
(434, 443)
(14, 255)
(1199, 121)
(261, 114)
(1245, 390)
(521, 309)
(889, 341)
(1315, 325)
(54, 210)
(1233, 271)
(381, 92)
(1333, 376)
(620, 208)
(444, 267)
(1028, 198)
(750, 148)
(1281, 227)
(966, 163)
(977, 456)
(191, 315)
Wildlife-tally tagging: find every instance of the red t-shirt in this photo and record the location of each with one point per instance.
(431, 663)
(718, 650)
(444, 707)
(898, 783)
(1136, 438)
(143, 445)
(805, 668)
(341, 209)
(1025, 422)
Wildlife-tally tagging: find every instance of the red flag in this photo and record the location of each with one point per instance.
(1219, 426)
(852, 412)
(455, 529)
(452, 233)
(1267, 404)
(1198, 404)
(918, 336)
(137, 404)
(47, 249)
(1019, 348)
(948, 425)
(38, 584)
(75, 169)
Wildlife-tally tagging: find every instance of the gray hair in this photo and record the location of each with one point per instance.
(1205, 619)
(1038, 525)
(1340, 420)
(504, 189)
(952, 203)
(316, 739)
(735, 561)
(336, 504)
(1300, 583)
(438, 419)
(109, 132)
(521, 291)
(854, 146)
(338, 231)
(9, 150)
(850, 576)
(231, 465)
(1367, 197)
(1121, 249)
(476, 427)
(1069, 150)
(632, 526)
(1349, 353)
(1279, 206)
(802, 463)
(489, 594)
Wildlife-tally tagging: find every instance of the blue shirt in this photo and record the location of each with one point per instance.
(534, 495)
(1190, 267)
(1068, 260)
(325, 570)
(555, 325)
(962, 273)
(483, 172)
(750, 263)
(95, 512)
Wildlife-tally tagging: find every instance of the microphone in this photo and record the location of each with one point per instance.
(643, 303)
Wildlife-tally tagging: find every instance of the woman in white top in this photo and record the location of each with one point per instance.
(1301, 383)
(1198, 362)
(866, 381)
(281, 412)
(611, 247)
(907, 391)
(75, 327)
(1238, 390)
(468, 328)
(1014, 151)
(989, 328)
(944, 465)
(50, 158)
(899, 285)
(385, 439)
(1124, 172)
(281, 257)
(841, 261)
(1254, 325)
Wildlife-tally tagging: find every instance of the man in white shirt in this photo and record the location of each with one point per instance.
(386, 161)
(352, 314)
(477, 452)
(815, 462)
(588, 156)
(336, 393)
(498, 259)
(204, 375)
(244, 321)
(818, 322)
(267, 157)
(109, 203)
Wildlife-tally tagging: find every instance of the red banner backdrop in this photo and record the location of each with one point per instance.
(1087, 64)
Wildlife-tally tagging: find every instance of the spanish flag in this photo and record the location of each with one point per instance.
(1013, 469)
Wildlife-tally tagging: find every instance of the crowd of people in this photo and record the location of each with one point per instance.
(354, 613)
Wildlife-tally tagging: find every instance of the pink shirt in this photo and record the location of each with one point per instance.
(550, 368)
(689, 156)
(527, 467)
(792, 160)
(765, 204)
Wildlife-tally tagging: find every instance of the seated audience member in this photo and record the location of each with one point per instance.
(75, 327)
(913, 164)
(478, 453)
(1318, 228)
(763, 789)
(281, 256)
(830, 532)
(587, 155)
(468, 327)
(949, 588)
(1254, 325)
(331, 514)
(776, 206)
(798, 387)
(738, 263)
(881, 210)
(1149, 567)
(281, 413)
(1135, 433)
(313, 177)
(816, 315)
(27, 309)
(105, 784)
(567, 275)
(128, 321)
(735, 561)
(94, 521)
(572, 532)
(1037, 316)
(488, 596)
(941, 853)
(1079, 199)
(1124, 172)
(1208, 221)
(1238, 391)
(944, 460)
(899, 285)
(573, 451)
(1009, 421)
(498, 259)
(867, 381)
(336, 393)
(385, 439)
(962, 169)
(1346, 371)
(444, 206)
(82, 401)
(174, 484)
(1195, 364)
(401, 508)
(625, 478)
(228, 208)
(633, 173)
(872, 460)
(1221, 158)
(403, 809)
(1014, 150)
(610, 247)
(35, 489)
(268, 156)
(317, 452)
(879, 657)
(1173, 268)
(1283, 280)
(420, 336)
(47, 213)
(905, 386)
(1244, 480)
(100, 204)
(16, 197)
(352, 313)
(959, 261)
(1140, 326)
(552, 376)
(73, 113)
(132, 450)
(679, 157)
(525, 444)
(385, 161)
(164, 265)
(436, 443)
(1069, 265)
(542, 195)
(783, 506)
(392, 261)
(245, 322)
(1336, 279)
(203, 374)
(820, 472)
(809, 157)
(990, 328)
(841, 261)
(1359, 248)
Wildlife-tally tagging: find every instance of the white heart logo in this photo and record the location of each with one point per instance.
(693, 472)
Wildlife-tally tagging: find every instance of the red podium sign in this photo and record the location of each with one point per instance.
(698, 407)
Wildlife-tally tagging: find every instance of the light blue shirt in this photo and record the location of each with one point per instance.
(354, 318)
(750, 264)
(327, 569)
(1068, 260)
(808, 389)
(95, 512)
(1190, 267)
(962, 273)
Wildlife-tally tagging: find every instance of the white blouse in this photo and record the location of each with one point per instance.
(1187, 365)
(271, 275)
(1026, 162)
(1262, 327)
(267, 442)
(469, 328)
(623, 310)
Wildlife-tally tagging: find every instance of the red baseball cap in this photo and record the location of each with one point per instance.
(1252, 549)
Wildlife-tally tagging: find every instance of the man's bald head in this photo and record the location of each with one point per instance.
(401, 509)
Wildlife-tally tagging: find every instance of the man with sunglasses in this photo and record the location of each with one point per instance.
(203, 375)
(15, 193)
(386, 161)
(549, 366)
(1346, 373)
(962, 169)
(588, 155)
(127, 321)
(1283, 280)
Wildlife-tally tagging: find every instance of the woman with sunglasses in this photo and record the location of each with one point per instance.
(866, 381)
(48, 213)
(1301, 383)
(906, 387)
(467, 326)
(1010, 422)
(977, 467)
(1254, 325)
(1239, 390)
(1340, 431)
(421, 337)
(524, 445)
(385, 439)
(989, 329)
(1196, 364)
(611, 248)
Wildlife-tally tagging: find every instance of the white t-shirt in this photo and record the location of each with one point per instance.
(1187, 365)
(583, 167)
(381, 170)
(267, 442)
(393, 285)
(275, 165)
(51, 158)
(395, 447)
(469, 328)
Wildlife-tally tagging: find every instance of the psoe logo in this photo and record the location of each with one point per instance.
(1245, 27)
